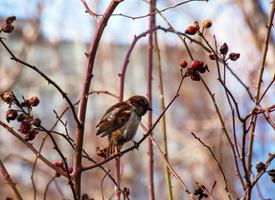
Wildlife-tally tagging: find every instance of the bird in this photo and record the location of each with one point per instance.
(120, 122)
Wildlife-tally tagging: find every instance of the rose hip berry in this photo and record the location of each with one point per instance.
(33, 101)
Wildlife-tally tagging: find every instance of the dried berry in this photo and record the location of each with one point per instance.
(195, 77)
(212, 56)
(234, 56)
(198, 191)
(260, 166)
(10, 19)
(126, 191)
(101, 151)
(59, 164)
(273, 179)
(207, 23)
(20, 117)
(203, 69)
(224, 49)
(25, 127)
(29, 137)
(196, 64)
(7, 28)
(36, 122)
(271, 172)
(34, 131)
(8, 97)
(33, 101)
(11, 114)
(183, 63)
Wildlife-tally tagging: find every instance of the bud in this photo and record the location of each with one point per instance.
(8, 97)
(196, 64)
(33, 101)
(36, 122)
(207, 23)
(224, 49)
(11, 114)
(25, 127)
(183, 63)
(234, 56)
(260, 166)
(10, 19)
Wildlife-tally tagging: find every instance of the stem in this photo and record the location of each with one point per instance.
(152, 23)
(10, 182)
(84, 93)
(257, 98)
(163, 122)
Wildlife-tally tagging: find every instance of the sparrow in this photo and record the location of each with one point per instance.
(120, 122)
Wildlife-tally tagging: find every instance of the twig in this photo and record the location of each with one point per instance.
(50, 81)
(10, 182)
(172, 169)
(47, 187)
(219, 165)
(163, 121)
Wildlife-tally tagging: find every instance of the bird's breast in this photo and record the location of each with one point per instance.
(130, 128)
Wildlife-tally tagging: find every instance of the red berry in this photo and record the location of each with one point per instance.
(183, 63)
(191, 30)
(25, 127)
(33, 101)
(196, 64)
(59, 164)
(71, 169)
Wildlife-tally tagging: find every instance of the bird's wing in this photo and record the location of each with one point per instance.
(114, 118)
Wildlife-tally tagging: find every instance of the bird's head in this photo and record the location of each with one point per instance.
(141, 104)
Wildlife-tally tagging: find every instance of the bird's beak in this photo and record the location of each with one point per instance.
(149, 108)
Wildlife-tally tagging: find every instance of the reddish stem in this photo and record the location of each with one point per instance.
(84, 93)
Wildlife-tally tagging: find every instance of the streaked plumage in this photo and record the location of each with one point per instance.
(120, 122)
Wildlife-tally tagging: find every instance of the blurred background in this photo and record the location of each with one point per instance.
(55, 35)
